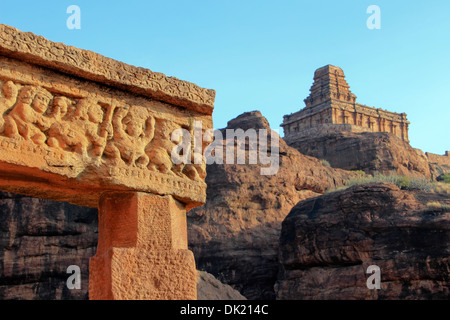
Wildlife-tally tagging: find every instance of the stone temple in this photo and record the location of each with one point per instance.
(331, 107)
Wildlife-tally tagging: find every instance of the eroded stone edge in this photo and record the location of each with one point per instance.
(95, 67)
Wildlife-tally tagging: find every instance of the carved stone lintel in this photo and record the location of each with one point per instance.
(73, 138)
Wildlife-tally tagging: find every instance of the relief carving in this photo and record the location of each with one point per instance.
(93, 65)
(114, 134)
(133, 130)
(8, 99)
(77, 128)
(26, 120)
(75, 124)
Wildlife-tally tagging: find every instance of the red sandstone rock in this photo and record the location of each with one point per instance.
(331, 106)
(372, 152)
(75, 124)
(234, 236)
(78, 127)
(328, 242)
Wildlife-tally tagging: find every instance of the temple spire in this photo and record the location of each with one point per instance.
(329, 83)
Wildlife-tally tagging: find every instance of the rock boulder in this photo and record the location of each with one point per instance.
(328, 242)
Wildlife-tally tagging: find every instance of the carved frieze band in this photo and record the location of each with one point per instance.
(70, 126)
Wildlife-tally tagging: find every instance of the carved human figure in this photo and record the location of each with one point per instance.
(81, 132)
(159, 152)
(27, 119)
(133, 130)
(196, 170)
(55, 134)
(60, 108)
(10, 91)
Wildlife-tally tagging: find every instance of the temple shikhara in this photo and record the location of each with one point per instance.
(331, 107)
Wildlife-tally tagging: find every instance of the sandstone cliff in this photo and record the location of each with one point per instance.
(372, 152)
(234, 236)
(39, 240)
(328, 242)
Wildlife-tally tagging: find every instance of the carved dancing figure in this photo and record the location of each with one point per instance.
(160, 151)
(10, 91)
(27, 119)
(133, 130)
(81, 132)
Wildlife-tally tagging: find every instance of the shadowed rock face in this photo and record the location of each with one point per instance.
(372, 152)
(234, 236)
(39, 240)
(328, 242)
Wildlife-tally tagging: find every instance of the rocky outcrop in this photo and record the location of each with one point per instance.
(39, 240)
(372, 152)
(440, 164)
(209, 288)
(234, 236)
(328, 242)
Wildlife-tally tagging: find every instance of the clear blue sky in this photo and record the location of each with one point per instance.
(261, 55)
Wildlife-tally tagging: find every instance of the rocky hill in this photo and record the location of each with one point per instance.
(371, 152)
(328, 242)
(234, 236)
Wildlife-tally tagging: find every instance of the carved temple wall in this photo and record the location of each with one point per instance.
(356, 117)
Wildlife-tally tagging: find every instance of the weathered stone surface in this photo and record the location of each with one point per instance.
(74, 124)
(209, 288)
(440, 164)
(142, 251)
(39, 240)
(234, 236)
(327, 243)
(89, 65)
(351, 136)
(372, 152)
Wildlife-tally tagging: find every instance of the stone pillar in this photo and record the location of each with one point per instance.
(142, 251)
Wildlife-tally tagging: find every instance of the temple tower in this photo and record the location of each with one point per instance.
(331, 107)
